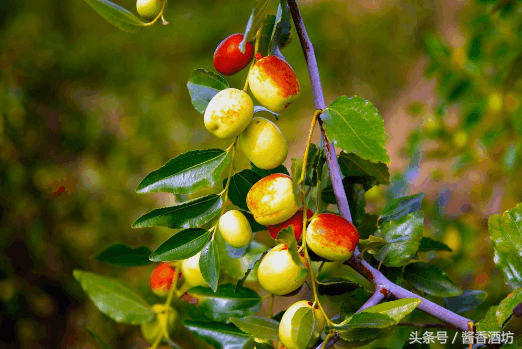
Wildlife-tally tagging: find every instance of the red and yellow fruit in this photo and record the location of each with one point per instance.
(273, 82)
(279, 274)
(161, 279)
(271, 200)
(228, 59)
(263, 144)
(331, 237)
(296, 222)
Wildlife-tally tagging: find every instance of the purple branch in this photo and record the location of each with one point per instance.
(375, 299)
(384, 285)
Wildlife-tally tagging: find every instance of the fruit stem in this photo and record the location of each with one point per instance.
(328, 337)
(160, 15)
(254, 60)
(271, 306)
(231, 148)
(157, 341)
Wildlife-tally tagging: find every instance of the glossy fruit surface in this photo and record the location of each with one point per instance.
(228, 59)
(271, 200)
(287, 330)
(263, 144)
(331, 237)
(191, 272)
(274, 84)
(229, 113)
(235, 229)
(149, 9)
(161, 279)
(279, 274)
(296, 221)
(165, 316)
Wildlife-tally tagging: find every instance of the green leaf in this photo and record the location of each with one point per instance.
(399, 207)
(189, 214)
(221, 336)
(253, 223)
(225, 302)
(367, 320)
(356, 126)
(403, 237)
(352, 165)
(506, 234)
(431, 279)
(263, 173)
(498, 317)
(99, 340)
(247, 263)
(466, 301)
(372, 245)
(258, 327)
(202, 86)
(353, 302)
(182, 245)
(209, 264)
(304, 327)
(286, 236)
(117, 15)
(428, 244)
(396, 310)
(254, 22)
(335, 286)
(240, 184)
(265, 37)
(281, 33)
(364, 335)
(517, 344)
(125, 256)
(114, 298)
(187, 173)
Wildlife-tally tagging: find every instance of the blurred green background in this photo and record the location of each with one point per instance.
(87, 110)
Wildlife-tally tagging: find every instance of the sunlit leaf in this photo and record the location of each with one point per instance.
(304, 327)
(189, 214)
(220, 335)
(187, 173)
(182, 245)
(114, 298)
(254, 22)
(399, 207)
(258, 327)
(355, 125)
(209, 264)
(498, 317)
(506, 234)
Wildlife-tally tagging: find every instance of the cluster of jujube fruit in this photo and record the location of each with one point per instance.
(230, 114)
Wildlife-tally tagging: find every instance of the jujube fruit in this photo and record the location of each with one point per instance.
(296, 221)
(273, 83)
(149, 9)
(235, 229)
(263, 144)
(331, 237)
(228, 113)
(161, 279)
(288, 333)
(279, 274)
(271, 199)
(228, 59)
(191, 271)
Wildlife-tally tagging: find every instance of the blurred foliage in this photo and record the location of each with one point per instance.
(86, 111)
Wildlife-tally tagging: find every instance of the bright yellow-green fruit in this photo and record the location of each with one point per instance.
(149, 9)
(166, 317)
(191, 272)
(273, 82)
(229, 113)
(279, 274)
(235, 229)
(287, 332)
(271, 200)
(263, 144)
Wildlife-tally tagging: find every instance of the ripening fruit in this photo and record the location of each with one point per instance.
(229, 113)
(271, 200)
(288, 331)
(161, 279)
(296, 221)
(332, 237)
(263, 144)
(228, 59)
(191, 272)
(235, 229)
(279, 274)
(274, 84)
(149, 9)
(164, 316)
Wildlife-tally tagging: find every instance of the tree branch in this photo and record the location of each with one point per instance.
(390, 289)
(375, 299)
